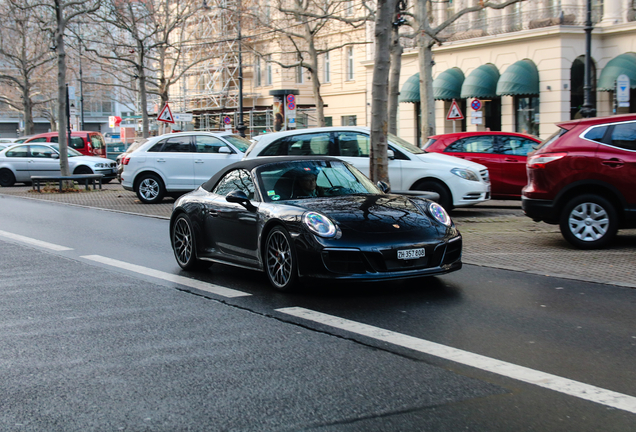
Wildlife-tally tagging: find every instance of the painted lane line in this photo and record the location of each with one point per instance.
(192, 283)
(34, 242)
(521, 373)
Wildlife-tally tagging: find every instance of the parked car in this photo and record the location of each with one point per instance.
(131, 148)
(86, 142)
(259, 214)
(504, 153)
(7, 141)
(176, 163)
(459, 183)
(19, 162)
(4, 146)
(583, 178)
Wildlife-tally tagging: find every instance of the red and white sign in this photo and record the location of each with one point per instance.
(454, 113)
(166, 115)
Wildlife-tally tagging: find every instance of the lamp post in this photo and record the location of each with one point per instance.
(587, 110)
(241, 126)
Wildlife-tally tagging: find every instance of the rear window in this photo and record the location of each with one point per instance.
(428, 143)
(596, 133)
(552, 138)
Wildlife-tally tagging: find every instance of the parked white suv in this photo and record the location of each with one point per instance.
(179, 162)
(458, 182)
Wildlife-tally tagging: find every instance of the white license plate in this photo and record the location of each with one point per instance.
(409, 254)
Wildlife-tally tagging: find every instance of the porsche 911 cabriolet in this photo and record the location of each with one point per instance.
(312, 217)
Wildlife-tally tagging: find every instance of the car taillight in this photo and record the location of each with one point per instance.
(541, 160)
(126, 160)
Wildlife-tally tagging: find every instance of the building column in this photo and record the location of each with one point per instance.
(611, 13)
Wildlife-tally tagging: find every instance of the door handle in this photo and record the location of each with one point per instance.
(198, 161)
(213, 213)
(511, 160)
(614, 163)
(161, 160)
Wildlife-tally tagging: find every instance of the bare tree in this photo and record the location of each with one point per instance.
(427, 37)
(27, 63)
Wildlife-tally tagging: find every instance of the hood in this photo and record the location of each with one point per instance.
(451, 162)
(89, 160)
(371, 214)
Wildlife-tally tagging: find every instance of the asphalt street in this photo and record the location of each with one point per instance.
(105, 333)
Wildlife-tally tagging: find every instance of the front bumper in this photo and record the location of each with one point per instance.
(378, 264)
(109, 173)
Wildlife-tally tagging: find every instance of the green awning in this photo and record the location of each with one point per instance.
(521, 78)
(448, 84)
(622, 64)
(481, 83)
(411, 90)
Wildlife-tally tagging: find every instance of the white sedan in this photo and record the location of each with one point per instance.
(19, 162)
(458, 182)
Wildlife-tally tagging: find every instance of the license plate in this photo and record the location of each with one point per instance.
(409, 254)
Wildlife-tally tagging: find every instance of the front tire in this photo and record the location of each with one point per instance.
(150, 189)
(281, 264)
(445, 197)
(7, 179)
(589, 222)
(184, 244)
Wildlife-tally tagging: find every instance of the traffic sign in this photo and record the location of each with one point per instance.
(622, 90)
(227, 120)
(291, 105)
(165, 115)
(291, 98)
(454, 113)
(476, 104)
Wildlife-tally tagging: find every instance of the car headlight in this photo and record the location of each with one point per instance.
(466, 174)
(100, 165)
(319, 224)
(439, 214)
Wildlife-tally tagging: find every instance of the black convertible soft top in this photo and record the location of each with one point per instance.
(250, 164)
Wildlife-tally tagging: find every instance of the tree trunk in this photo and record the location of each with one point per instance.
(315, 80)
(379, 164)
(425, 58)
(394, 79)
(143, 99)
(61, 89)
(27, 112)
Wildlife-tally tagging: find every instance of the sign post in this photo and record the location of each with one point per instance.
(454, 113)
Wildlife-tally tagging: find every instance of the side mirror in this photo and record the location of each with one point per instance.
(239, 197)
(225, 150)
(55, 156)
(390, 154)
(384, 186)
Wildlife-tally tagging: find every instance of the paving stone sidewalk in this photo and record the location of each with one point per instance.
(496, 234)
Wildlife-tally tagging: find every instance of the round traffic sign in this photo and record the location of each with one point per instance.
(476, 104)
(227, 120)
(291, 105)
(291, 99)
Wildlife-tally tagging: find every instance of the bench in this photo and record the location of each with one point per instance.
(87, 178)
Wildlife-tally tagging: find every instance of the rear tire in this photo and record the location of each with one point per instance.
(7, 178)
(589, 221)
(150, 189)
(445, 196)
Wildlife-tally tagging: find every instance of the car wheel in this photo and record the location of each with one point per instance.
(589, 221)
(184, 244)
(83, 170)
(280, 260)
(150, 189)
(445, 197)
(6, 178)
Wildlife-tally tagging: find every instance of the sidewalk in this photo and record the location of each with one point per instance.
(496, 234)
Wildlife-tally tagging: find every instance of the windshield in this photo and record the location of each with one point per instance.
(71, 152)
(404, 145)
(242, 144)
(309, 179)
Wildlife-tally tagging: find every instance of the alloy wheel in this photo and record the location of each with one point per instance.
(149, 189)
(279, 260)
(589, 221)
(182, 242)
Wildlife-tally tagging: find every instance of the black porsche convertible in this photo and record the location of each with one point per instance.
(311, 217)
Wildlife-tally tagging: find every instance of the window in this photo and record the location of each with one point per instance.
(300, 71)
(477, 144)
(257, 72)
(97, 142)
(76, 142)
(237, 180)
(624, 136)
(349, 120)
(527, 115)
(41, 151)
(350, 64)
(208, 144)
(300, 145)
(348, 7)
(21, 151)
(42, 140)
(269, 70)
(327, 64)
(172, 145)
(511, 145)
(266, 12)
(596, 133)
(353, 144)
(328, 121)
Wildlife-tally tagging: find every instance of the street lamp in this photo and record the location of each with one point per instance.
(587, 110)
(241, 126)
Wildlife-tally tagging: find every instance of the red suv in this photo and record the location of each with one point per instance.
(87, 143)
(584, 178)
(504, 153)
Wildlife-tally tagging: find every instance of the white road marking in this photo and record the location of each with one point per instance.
(34, 242)
(531, 376)
(193, 283)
